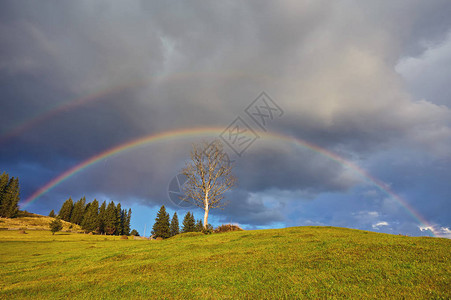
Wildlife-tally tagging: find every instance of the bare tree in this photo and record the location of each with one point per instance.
(208, 177)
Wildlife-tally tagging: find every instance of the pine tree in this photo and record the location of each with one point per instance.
(4, 179)
(10, 199)
(120, 220)
(125, 221)
(189, 224)
(175, 225)
(52, 214)
(14, 206)
(199, 226)
(86, 209)
(90, 221)
(128, 217)
(111, 219)
(56, 225)
(4, 197)
(134, 232)
(102, 211)
(66, 210)
(123, 218)
(161, 226)
(78, 211)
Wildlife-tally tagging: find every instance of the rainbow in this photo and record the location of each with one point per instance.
(102, 94)
(64, 107)
(214, 132)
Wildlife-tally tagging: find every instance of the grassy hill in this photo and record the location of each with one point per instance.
(30, 221)
(300, 262)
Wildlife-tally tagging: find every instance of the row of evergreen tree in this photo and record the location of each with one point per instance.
(104, 219)
(9, 196)
(165, 228)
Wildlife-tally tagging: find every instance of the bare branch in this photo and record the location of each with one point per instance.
(209, 176)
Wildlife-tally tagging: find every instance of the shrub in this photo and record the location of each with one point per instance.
(124, 237)
(208, 230)
(227, 228)
(56, 225)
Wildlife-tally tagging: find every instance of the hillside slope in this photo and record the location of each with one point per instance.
(30, 221)
(300, 262)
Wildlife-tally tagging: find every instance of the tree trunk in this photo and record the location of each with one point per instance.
(206, 219)
(206, 208)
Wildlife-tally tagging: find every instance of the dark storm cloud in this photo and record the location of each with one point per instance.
(286, 168)
(427, 74)
(339, 70)
(245, 208)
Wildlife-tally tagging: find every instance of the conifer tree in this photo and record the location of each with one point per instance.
(90, 221)
(66, 210)
(120, 220)
(175, 225)
(189, 224)
(128, 217)
(199, 225)
(134, 232)
(102, 211)
(86, 209)
(14, 205)
(52, 213)
(56, 225)
(111, 219)
(4, 197)
(161, 226)
(125, 221)
(4, 179)
(78, 211)
(10, 199)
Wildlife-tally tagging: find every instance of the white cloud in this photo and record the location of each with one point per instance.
(379, 224)
(439, 231)
(445, 232)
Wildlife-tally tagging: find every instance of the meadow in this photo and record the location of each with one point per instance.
(291, 263)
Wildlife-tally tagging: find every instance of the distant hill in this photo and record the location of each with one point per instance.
(30, 221)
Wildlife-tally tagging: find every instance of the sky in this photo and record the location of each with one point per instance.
(334, 113)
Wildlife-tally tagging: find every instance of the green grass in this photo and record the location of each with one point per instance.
(300, 262)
